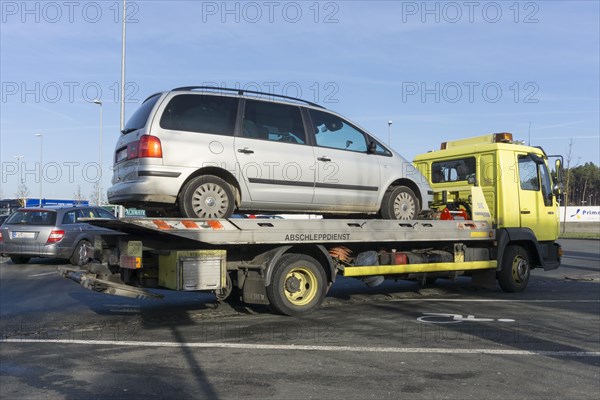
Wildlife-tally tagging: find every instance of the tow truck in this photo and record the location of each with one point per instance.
(495, 219)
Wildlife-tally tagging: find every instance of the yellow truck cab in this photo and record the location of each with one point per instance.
(519, 188)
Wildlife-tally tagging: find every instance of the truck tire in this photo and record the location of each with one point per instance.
(19, 259)
(207, 196)
(298, 285)
(400, 202)
(516, 268)
(78, 257)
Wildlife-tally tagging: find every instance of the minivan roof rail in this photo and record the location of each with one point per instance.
(241, 92)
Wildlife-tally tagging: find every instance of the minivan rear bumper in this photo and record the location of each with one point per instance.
(157, 190)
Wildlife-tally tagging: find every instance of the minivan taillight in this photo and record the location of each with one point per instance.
(56, 236)
(147, 147)
(1, 237)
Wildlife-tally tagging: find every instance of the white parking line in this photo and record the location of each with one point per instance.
(501, 300)
(353, 349)
(46, 273)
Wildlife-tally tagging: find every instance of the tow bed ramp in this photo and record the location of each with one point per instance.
(277, 231)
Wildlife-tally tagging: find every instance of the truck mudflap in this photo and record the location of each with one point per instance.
(90, 281)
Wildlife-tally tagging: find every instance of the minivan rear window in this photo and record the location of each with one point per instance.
(32, 217)
(201, 113)
(140, 117)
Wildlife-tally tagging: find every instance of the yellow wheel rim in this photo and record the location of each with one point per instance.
(520, 269)
(300, 286)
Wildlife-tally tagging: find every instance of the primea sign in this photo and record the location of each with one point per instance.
(580, 214)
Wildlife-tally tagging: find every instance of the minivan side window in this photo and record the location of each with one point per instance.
(140, 117)
(332, 131)
(200, 113)
(274, 122)
(380, 150)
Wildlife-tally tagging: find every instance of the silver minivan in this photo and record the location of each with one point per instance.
(204, 152)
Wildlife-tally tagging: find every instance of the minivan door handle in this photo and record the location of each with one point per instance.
(525, 211)
(246, 150)
(325, 159)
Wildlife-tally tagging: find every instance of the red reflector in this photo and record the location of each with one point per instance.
(215, 224)
(150, 147)
(1, 237)
(190, 224)
(161, 224)
(56, 236)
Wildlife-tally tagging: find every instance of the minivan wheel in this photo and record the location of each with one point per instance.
(207, 197)
(399, 202)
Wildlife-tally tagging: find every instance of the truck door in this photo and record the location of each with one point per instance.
(538, 210)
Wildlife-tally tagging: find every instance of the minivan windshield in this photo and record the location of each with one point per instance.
(139, 118)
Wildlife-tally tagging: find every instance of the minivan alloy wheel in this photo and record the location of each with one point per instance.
(400, 202)
(207, 197)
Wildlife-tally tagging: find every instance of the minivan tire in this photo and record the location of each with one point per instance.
(400, 202)
(207, 196)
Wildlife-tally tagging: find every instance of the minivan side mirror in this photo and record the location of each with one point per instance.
(372, 148)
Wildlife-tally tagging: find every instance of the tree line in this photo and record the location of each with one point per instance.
(583, 185)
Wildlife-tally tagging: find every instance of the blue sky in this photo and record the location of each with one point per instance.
(438, 70)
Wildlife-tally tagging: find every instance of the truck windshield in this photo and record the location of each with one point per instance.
(140, 117)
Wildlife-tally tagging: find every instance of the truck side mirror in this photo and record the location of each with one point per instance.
(559, 170)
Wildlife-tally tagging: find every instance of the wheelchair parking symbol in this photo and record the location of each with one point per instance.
(442, 318)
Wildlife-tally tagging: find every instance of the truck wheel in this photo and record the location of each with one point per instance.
(19, 260)
(79, 254)
(399, 202)
(514, 273)
(207, 197)
(298, 285)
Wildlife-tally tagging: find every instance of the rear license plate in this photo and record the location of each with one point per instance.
(23, 235)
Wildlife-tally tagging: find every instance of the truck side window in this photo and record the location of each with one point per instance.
(546, 185)
(528, 174)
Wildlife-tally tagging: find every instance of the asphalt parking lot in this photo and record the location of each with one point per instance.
(399, 340)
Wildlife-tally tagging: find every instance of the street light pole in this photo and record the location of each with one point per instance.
(97, 101)
(123, 65)
(390, 133)
(41, 136)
